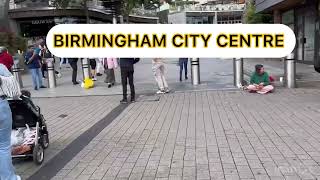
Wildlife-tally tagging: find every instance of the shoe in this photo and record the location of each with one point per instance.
(133, 100)
(94, 79)
(167, 90)
(160, 92)
(180, 80)
(59, 75)
(18, 177)
(36, 89)
(75, 83)
(98, 74)
(43, 87)
(186, 77)
(124, 101)
(109, 85)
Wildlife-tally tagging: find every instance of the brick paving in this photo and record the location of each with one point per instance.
(81, 113)
(208, 135)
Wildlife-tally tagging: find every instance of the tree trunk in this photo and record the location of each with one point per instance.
(86, 9)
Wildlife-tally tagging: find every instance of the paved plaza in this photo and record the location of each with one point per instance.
(191, 135)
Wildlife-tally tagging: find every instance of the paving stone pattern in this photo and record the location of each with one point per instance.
(81, 114)
(208, 135)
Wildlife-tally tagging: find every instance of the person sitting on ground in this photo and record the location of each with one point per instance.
(260, 81)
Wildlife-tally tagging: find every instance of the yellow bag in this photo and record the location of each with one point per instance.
(88, 83)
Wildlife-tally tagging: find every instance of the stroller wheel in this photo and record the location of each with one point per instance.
(38, 154)
(45, 141)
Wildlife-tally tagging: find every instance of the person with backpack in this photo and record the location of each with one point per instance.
(33, 61)
(110, 64)
(127, 70)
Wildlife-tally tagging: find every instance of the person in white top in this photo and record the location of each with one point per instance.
(158, 69)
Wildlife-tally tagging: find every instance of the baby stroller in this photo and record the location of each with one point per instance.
(29, 129)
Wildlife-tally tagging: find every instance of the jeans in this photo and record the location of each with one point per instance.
(36, 77)
(126, 74)
(183, 62)
(6, 167)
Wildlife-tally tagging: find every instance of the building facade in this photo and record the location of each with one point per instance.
(209, 12)
(302, 16)
(33, 19)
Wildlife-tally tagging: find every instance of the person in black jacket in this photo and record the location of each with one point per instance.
(74, 65)
(127, 70)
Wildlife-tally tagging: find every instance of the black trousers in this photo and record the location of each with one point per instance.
(127, 74)
(74, 66)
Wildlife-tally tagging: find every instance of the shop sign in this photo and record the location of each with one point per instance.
(43, 21)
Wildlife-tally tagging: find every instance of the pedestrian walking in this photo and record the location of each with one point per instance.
(74, 65)
(100, 67)
(9, 88)
(127, 71)
(110, 64)
(158, 69)
(32, 60)
(47, 56)
(183, 63)
(63, 61)
(93, 65)
(5, 58)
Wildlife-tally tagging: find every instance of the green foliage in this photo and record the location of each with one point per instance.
(12, 42)
(251, 17)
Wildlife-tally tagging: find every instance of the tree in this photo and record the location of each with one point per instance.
(251, 17)
(63, 4)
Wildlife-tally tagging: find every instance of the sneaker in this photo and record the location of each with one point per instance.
(124, 101)
(109, 85)
(94, 79)
(186, 77)
(18, 177)
(59, 75)
(36, 88)
(167, 90)
(98, 74)
(43, 87)
(160, 92)
(75, 83)
(133, 100)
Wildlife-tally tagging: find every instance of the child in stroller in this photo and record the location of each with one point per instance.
(29, 131)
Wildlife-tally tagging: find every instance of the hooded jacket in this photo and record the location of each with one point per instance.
(7, 60)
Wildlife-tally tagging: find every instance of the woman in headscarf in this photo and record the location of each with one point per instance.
(8, 89)
(110, 64)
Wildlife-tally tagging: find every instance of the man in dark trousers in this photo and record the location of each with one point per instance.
(127, 70)
(74, 65)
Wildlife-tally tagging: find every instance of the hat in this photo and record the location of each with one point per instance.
(258, 67)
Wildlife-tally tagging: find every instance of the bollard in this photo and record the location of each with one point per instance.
(16, 73)
(238, 72)
(290, 71)
(114, 19)
(195, 71)
(85, 68)
(52, 83)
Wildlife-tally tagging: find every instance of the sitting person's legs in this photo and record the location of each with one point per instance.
(252, 87)
(265, 89)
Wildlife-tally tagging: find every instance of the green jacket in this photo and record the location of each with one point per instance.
(257, 79)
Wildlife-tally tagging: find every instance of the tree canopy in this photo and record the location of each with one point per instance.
(251, 17)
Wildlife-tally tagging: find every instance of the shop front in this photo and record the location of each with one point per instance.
(303, 18)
